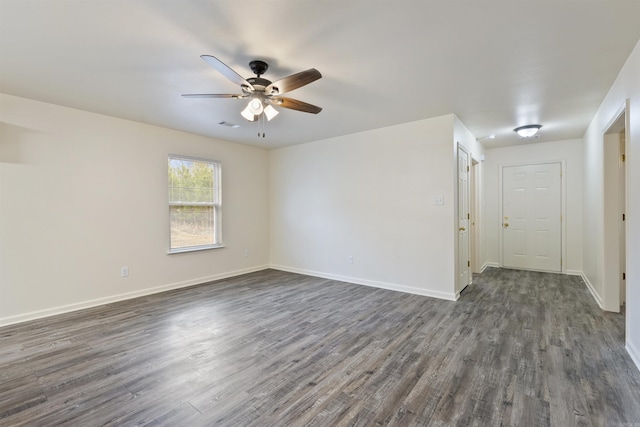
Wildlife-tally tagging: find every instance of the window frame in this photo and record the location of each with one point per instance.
(217, 205)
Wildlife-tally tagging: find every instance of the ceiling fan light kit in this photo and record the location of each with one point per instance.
(528, 131)
(262, 93)
(253, 110)
(270, 112)
(247, 114)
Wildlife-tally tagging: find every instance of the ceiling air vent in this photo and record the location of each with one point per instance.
(231, 125)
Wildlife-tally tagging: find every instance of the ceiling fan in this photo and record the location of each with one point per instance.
(262, 93)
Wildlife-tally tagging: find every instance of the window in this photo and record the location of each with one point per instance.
(194, 204)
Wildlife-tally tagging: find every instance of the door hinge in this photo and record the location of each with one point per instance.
(468, 216)
(623, 158)
(624, 276)
(468, 263)
(560, 262)
(467, 168)
(623, 217)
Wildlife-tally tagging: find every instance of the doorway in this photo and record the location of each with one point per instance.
(615, 254)
(464, 217)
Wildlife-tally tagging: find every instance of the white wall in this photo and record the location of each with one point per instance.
(463, 136)
(625, 91)
(82, 195)
(569, 151)
(370, 196)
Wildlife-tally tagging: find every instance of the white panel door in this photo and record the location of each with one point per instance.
(532, 217)
(464, 270)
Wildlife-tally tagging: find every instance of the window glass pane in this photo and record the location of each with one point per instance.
(192, 226)
(191, 182)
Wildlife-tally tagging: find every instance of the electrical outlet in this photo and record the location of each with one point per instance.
(124, 272)
(350, 259)
(438, 200)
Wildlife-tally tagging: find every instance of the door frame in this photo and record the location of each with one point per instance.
(474, 199)
(563, 207)
(458, 287)
(611, 231)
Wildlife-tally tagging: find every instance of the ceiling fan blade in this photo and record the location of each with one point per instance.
(212, 95)
(294, 81)
(225, 70)
(294, 104)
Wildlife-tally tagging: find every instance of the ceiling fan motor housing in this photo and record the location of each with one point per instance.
(258, 82)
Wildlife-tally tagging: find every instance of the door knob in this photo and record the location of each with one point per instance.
(462, 228)
(505, 225)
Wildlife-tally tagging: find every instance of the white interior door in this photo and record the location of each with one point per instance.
(532, 217)
(464, 270)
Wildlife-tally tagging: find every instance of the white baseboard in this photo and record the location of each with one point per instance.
(594, 294)
(5, 321)
(489, 264)
(634, 353)
(573, 273)
(367, 282)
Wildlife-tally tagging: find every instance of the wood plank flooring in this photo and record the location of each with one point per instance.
(280, 349)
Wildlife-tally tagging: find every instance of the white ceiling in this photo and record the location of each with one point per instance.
(495, 64)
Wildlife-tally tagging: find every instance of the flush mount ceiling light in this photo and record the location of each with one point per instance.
(528, 131)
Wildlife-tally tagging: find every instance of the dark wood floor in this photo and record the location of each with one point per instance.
(274, 348)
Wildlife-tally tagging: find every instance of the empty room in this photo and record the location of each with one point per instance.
(319, 213)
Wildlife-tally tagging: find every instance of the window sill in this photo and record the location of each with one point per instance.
(193, 249)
